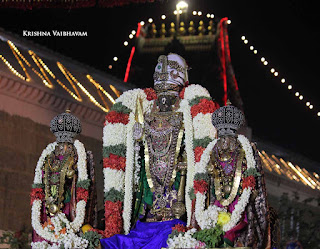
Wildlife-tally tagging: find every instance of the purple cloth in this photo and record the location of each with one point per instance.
(144, 235)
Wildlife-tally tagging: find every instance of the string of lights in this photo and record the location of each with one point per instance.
(282, 80)
(290, 87)
(44, 70)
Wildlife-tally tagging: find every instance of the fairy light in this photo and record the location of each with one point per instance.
(133, 32)
(71, 80)
(199, 13)
(44, 70)
(99, 87)
(229, 22)
(125, 43)
(43, 67)
(318, 114)
(175, 12)
(212, 16)
(150, 20)
(142, 23)
(115, 58)
(208, 15)
(275, 73)
(163, 17)
(12, 69)
(115, 90)
(194, 13)
(131, 36)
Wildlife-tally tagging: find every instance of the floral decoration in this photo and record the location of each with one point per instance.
(58, 229)
(249, 181)
(119, 148)
(151, 93)
(200, 186)
(209, 217)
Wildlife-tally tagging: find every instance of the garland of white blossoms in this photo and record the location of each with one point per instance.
(209, 217)
(185, 240)
(118, 133)
(69, 238)
(195, 128)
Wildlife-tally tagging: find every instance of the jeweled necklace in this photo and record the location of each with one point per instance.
(220, 174)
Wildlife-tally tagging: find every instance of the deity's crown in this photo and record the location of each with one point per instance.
(227, 120)
(171, 73)
(65, 127)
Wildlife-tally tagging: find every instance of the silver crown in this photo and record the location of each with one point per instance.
(65, 127)
(227, 120)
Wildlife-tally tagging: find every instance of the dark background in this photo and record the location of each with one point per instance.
(285, 32)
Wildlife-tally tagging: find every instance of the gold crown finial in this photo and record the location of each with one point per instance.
(68, 111)
(228, 102)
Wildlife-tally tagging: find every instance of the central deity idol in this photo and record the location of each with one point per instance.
(153, 139)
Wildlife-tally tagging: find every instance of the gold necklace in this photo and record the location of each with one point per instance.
(235, 185)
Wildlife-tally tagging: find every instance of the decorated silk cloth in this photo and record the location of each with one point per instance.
(144, 235)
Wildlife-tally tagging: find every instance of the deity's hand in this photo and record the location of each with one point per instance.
(137, 131)
(182, 166)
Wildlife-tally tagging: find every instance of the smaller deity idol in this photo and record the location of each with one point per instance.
(229, 185)
(61, 188)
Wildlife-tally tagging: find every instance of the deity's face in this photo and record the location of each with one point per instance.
(165, 102)
(64, 149)
(227, 144)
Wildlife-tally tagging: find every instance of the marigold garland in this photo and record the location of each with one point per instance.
(113, 211)
(114, 162)
(198, 153)
(117, 117)
(82, 194)
(200, 186)
(36, 194)
(181, 94)
(151, 93)
(128, 99)
(204, 106)
(249, 181)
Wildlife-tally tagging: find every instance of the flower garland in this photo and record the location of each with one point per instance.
(118, 159)
(185, 240)
(118, 147)
(197, 108)
(59, 229)
(210, 217)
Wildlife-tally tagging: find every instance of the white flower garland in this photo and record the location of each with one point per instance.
(127, 205)
(187, 120)
(185, 241)
(71, 227)
(192, 132)
(209, 217)
(118, 136)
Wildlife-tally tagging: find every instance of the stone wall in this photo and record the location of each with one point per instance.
(21, 143)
